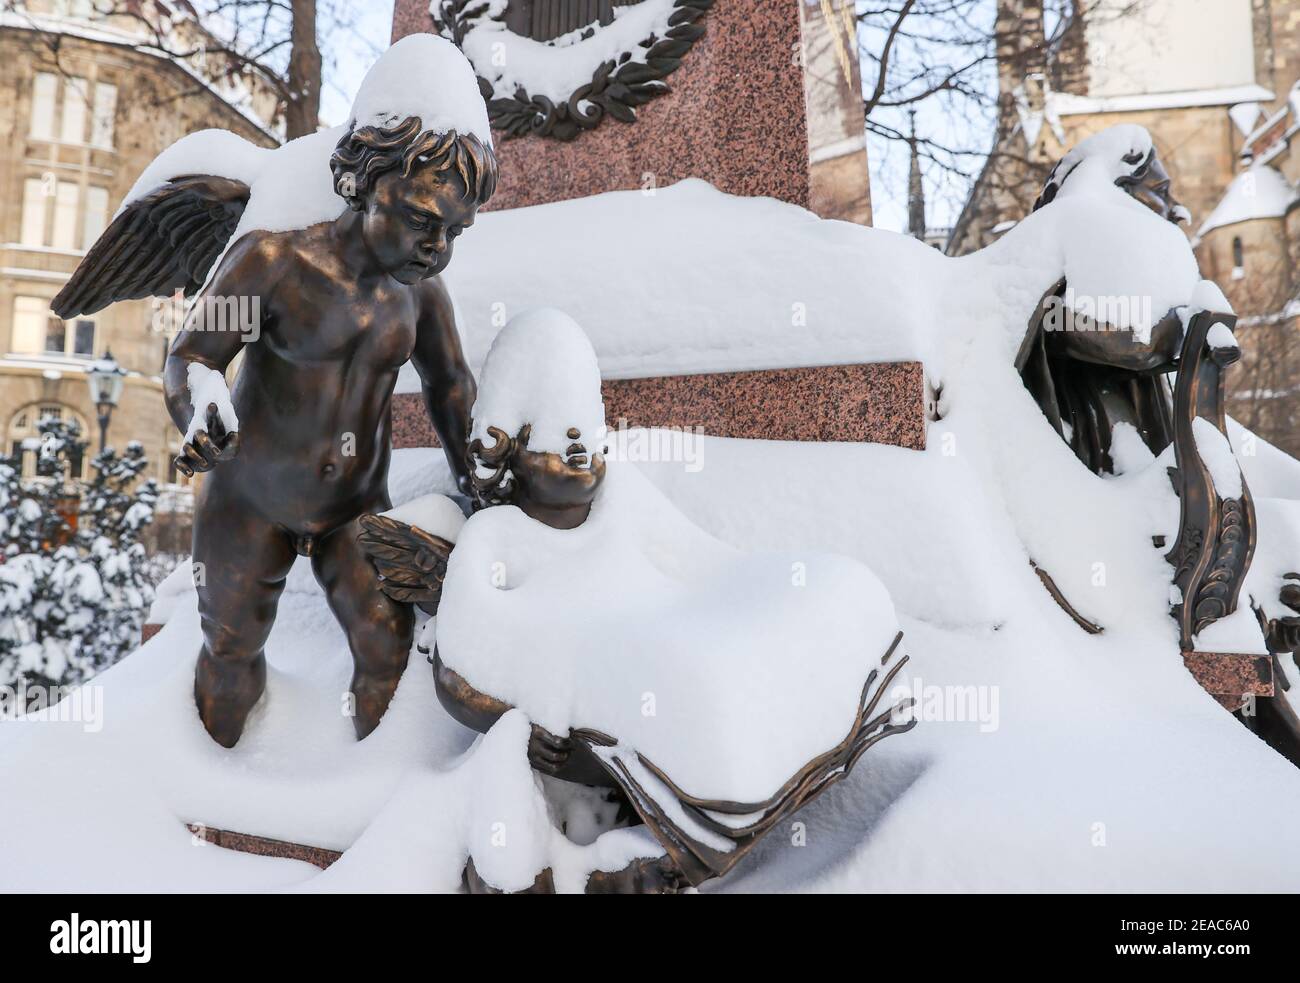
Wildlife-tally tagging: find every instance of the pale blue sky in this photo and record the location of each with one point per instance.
(352, 50)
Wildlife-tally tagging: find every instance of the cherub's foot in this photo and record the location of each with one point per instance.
(225, 692)
(371, 694)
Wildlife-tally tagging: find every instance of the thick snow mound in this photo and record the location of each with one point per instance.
(689, 279)
(542, 371)
(729, 670)
(1099, 161)
(426, 76)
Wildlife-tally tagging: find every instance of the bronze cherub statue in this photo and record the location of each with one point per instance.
(301, 446)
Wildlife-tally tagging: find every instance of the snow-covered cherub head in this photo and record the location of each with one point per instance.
(538, 433)
(417, 159)
(1122, 156)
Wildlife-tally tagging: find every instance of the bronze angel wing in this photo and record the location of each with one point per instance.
(162, 242)
(411, 562)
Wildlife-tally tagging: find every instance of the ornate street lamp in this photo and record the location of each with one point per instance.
(106, 379)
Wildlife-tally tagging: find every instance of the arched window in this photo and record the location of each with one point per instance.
(25, 436)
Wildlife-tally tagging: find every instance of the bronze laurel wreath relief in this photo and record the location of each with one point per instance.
(617, 87)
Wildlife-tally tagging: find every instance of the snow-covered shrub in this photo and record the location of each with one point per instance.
(74, 584)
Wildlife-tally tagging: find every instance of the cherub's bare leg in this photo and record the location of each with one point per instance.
(241, 564)
(379, 629)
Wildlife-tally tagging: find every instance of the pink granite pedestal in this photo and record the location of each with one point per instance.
(882, 403)
(742, 112)
(1231, 678)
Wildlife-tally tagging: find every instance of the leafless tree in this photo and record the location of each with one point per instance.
(1264, 387)
(941, 58)
(273, 44)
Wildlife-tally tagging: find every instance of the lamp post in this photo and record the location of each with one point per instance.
(106, 379)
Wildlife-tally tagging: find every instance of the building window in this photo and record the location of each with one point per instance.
(101, 123)
(65, 216)
(1238, 258)
(81, 103)
(35, 197)
(76, 92)
(44, 87)
(25, 437)
(83, 338)
(95, 217)
(37, 331)
(77, 220)
(75, 339)
(29, 325)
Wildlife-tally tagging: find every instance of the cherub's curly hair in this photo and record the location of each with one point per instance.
(366, 152)
(498, 487)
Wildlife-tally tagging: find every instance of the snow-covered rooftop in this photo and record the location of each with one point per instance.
(1257, 192)
(1069, 104)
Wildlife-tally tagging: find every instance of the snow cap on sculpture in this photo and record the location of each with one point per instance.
(542, 371)
(426, 76)
(419, 106)
(1103, 158)
(1121, 156)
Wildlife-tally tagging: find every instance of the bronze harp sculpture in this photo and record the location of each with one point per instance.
(343, 304)
(1086, 382)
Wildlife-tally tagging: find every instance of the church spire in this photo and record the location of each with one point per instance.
(915, 189)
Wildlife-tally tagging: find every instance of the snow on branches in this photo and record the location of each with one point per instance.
(74, 588)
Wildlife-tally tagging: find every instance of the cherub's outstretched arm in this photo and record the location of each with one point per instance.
(202, 351)
(448, 384)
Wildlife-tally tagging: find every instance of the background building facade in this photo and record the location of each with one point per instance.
(84, 108)
(1215, 83)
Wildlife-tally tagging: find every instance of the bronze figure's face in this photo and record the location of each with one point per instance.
(415, 190)
(411, 222)
(551, 481)
(1150, 184)
(556, 489)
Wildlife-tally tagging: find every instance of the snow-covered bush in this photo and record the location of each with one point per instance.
(74, 586)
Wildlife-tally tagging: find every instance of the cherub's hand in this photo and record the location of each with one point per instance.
(209, 447)
(546, 752)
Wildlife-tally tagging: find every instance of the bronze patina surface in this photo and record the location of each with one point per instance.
(341, 306)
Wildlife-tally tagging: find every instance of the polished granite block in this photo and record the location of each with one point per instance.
(1231, 677)
(735, 116)
(882, 403)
